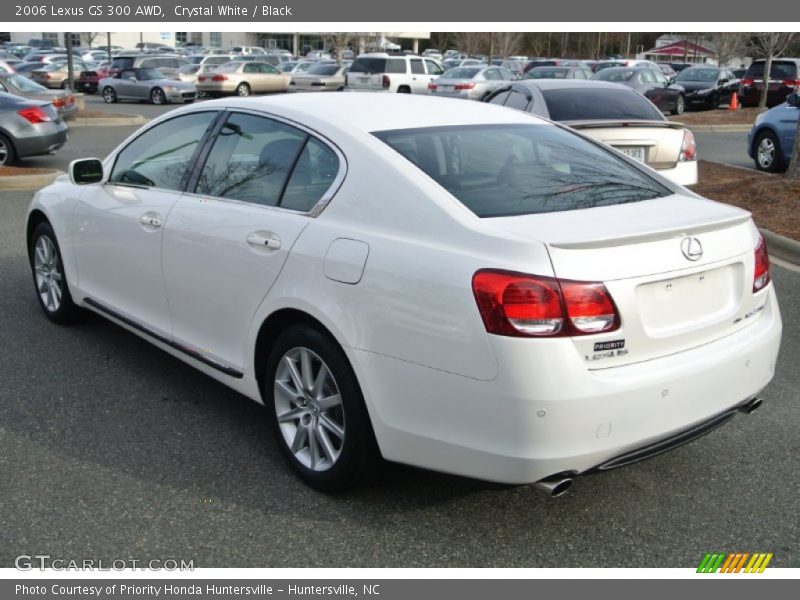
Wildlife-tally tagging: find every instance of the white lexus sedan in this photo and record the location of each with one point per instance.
(453, 285)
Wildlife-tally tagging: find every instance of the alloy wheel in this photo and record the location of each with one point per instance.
(766, 153)
(309, 409)
(4, 152)
(49, 276)
(157, 96)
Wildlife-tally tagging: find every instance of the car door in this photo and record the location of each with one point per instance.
(434, 70)
(226, 241)
(251, 75)
(419, 78)
(657, 93)
(126, 85)
(787, 117)
(119, 224)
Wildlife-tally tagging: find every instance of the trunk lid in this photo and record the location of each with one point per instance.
(667, 302)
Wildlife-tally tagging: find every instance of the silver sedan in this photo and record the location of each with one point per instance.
(471, 83)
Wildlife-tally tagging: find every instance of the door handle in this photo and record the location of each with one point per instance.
(261, 240)
(151, 220)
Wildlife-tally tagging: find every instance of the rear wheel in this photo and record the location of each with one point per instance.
(49, 279)
(109, 95)
(7, 155)
(680, 104)
(404, 89)
(243, 89)
(317, 411)
(157, 96)
(768, 155)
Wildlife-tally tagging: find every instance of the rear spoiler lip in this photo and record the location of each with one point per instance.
(679, 230)
(622, 123)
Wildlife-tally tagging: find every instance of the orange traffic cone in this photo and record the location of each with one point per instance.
(734, 103)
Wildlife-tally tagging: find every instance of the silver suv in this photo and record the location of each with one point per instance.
(380, 72)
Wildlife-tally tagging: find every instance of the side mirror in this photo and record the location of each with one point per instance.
(86, 171)
(723, 81)
(793, 100)
(670, 81)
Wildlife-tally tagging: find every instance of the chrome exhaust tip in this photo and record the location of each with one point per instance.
(751, 405)
(554, 486)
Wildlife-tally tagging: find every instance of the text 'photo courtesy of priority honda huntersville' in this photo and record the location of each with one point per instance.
(454, 285)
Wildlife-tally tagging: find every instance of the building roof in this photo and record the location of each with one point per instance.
(681, 48)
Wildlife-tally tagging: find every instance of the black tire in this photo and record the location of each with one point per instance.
(66, 311)
(680, 105)
(7, 153)
(404, 89)
(109, 95)
(65, 85)
(243, 89)
(769, 162)
(359, 458)
(158, 97)
(713, 102)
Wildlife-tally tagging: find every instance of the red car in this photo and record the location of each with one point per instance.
(89, 80)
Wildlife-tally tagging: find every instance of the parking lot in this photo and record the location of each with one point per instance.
(111, 448)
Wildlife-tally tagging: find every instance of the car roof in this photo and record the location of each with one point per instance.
(368, 112)
(557, 84)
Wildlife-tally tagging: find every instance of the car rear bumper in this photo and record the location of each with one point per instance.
(546, 413)
(42, 138)
(683, 173)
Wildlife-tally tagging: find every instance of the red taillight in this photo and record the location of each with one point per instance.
(432, 86)
(201, 78)
(465, 86)
(34, 115)
(58, 102)
(688, 147)
(46, 76)
(748, 81)
(219, 78)
(519, 305)
(761, 275)
(792, 83)
(385, 81)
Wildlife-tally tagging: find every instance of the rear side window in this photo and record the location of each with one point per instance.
(581, 104)
(160, 156)
(368, 65)
(122, 63)
(395, 65)
(517, 100)
(314, 173)
(506, 170)
(417, 67)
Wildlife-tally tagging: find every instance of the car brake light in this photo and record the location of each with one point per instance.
(519, 305)
(219, 78)
(201, 78)
(748, 81)
(688, 147)
(34, 115)
(58, 102)
(465, 86)
(790, 83)
(761, 275)
(385, 81)
(432, 86)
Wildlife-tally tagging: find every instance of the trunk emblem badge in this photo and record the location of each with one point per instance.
(692, 248)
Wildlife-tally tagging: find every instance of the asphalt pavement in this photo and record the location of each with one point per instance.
(110, 448)
(724, 147)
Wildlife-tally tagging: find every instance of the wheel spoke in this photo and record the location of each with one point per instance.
(328, 424)
(318, 388)
(43, 285)
(306, 369)
(296, 379)
(56, 276)
(56, 294)
(313, 450)
(283, 387)
(299, 441)
(40, 254)
(325, 444)
(329, 402)
(293, 414)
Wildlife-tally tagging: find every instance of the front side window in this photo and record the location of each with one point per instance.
(160, 156)
(433, 68)
(262, 161)
(506, 170)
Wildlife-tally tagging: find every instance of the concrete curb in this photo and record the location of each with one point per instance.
(28, 182)
(107, 121)
(743, 128)
(782, 247)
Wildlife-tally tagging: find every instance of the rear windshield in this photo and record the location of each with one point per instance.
(507, 170)
(122, 63)
(323, 69)
(781, 69)
(461, 73)
(582, 104)
(546, 73)
(615, 74)
(369, 65)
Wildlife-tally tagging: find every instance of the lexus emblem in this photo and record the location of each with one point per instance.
(692, 248)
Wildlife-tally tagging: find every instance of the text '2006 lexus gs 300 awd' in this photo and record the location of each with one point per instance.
(452, 285)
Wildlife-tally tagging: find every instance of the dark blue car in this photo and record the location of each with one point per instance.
(771, 139)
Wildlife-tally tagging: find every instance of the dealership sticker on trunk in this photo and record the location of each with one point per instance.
(608, 349)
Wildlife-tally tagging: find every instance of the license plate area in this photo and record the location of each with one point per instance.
(637, 153)
(676, 305)
(445, 89)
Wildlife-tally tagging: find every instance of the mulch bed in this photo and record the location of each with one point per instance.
(773, 199)
(720, 116)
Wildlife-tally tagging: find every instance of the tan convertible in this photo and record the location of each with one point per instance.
(243, 78)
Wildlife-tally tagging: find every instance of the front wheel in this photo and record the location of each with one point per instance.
(109, 95)
(243, 89)
(49, 279)
(317, 411)
(7, 156)
(680, 104)
(157, 96)
(65, 84)
(768, 155)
